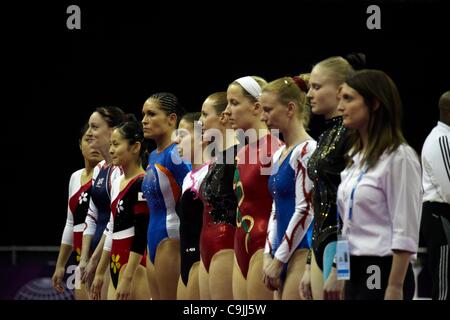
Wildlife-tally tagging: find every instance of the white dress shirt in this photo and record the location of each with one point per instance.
(387, 204)
(436, 165)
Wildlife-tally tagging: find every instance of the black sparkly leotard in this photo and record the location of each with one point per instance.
(324, 168)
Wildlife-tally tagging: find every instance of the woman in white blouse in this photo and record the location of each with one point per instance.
(379, 198)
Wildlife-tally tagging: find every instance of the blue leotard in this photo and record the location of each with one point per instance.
(290, 226)
(162, 189)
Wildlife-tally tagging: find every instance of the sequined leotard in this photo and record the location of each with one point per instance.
(324, 169)
(220, 203)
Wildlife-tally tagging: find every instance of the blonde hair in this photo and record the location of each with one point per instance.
(305, 77)
(338, 68)
(219, 100)
(290, 89)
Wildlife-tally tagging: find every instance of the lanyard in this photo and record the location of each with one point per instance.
(350, 208)
(351, 200)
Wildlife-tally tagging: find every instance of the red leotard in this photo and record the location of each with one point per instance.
(254, 199)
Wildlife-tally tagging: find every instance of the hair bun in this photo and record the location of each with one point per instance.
(356, 60)
(130, 117)
(300, 83)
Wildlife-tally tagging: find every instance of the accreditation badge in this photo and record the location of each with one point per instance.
(342, 259)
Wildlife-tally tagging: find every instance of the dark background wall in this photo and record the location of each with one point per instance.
(126, 51)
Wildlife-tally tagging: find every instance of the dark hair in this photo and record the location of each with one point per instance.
(112, 115)
(444, 101)
(130, 117)
(357, 60)
(384, 128)
(133, 132)
(83, 131)
(169, 103)
(191, 117)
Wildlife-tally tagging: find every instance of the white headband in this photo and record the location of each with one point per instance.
(250, 85)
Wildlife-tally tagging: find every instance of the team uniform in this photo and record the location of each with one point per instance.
(127, 227)
(254, 199)
(162, 189)
(380, 210)
(324, 168)
(100, 204)
(190, 210)
(220, 203)
(79, 196)
(290, 224)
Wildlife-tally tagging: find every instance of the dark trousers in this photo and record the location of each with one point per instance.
(369, 276)
(435, 234)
